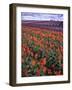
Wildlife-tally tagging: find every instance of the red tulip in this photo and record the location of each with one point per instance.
(49, 71)
(38, 72)
(44, 69)
(58, 72)
(53, 66)
(43, 61)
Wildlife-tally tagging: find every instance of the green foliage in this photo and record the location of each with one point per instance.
(36, 49)
(23, 65)
(58, 66)
(61, 44)
(28, 60)
(51, 58)
(43, 53)
(50, 62)
(31, 44)
(52, 53)
(49, 39)
(32, 34)
(41, 72)
(45, 39)
(35, 68)
(38, 36)
(56, 42)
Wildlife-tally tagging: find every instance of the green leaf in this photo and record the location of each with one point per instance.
(35, 68)
(28, 60)
(43, 53)
(52, 53)
(56, 41)
(58, 66)
(32, 43)
(32, 34)
(61, 44)
(36, 48)
(49, 39)
(38, 36)
(45, 32)
(23, 65)
(48, 64)
(50, 61)
(45, 39)
(41, 72)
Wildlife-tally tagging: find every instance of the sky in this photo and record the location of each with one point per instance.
(41, 16)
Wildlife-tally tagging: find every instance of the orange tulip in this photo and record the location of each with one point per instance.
(33, 62)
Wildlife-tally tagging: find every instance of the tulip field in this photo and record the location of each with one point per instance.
(41, 51)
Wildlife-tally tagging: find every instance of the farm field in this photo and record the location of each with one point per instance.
(42, 48)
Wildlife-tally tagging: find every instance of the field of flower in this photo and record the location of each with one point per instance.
(42, 52)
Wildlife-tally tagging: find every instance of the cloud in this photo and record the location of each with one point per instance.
(41, 16)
